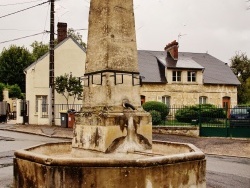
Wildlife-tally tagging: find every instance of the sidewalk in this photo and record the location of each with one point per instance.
(43, 130)
(209, 145)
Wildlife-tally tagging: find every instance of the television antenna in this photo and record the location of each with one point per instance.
(179, 36)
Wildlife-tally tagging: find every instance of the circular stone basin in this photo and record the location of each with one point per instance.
(58, 165)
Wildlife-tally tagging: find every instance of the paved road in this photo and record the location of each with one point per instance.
(227, 172)
(11, 141)
(222, 171)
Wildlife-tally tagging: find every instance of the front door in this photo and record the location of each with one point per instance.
(143, 98)
(226, 104)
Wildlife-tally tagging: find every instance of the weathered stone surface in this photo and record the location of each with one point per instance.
(185, 131)
(52, 165)
(111, 80)
(99, 131)
(111, 36)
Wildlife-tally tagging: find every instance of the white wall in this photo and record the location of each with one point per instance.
(69, 57)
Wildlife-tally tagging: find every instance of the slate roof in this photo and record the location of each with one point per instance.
(152, 64)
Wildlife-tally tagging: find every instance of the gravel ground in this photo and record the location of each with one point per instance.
(212, 145)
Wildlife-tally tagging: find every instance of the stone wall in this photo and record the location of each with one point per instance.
(188, 94)
(184, 131)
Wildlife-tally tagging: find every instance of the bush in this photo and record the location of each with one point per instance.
(15, 91)
(157, 106)
(2, 86)
(156, 117)
(206, 112)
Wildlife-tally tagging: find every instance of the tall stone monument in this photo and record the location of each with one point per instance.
(112, 114)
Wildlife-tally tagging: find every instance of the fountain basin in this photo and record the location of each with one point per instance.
(59, 165)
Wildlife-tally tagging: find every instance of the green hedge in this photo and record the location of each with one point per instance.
(157, 106)
(156, 117)
(206, 112)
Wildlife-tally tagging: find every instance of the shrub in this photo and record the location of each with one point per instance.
(2, 86)
(206, 112)
(156, 117)
(15, 91)
(187, 114)
(157, 106)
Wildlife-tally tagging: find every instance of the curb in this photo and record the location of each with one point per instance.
(33, 133)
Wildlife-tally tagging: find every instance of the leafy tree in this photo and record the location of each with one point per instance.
(12, 63)
(39, 49)
(240, 65)
(68, 86)
(15, 91)
(2, 86)
(77, 36)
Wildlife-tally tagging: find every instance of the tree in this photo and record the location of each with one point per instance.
(39, 49)
(77, 36)
(12, 63)
(68, 86)
(15, 91)
(2, 86)
(240, 65)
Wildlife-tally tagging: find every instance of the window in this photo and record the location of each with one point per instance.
(166, 100)
(203, 100)
(191, 76)
(44, 102)
(143, 98)
(176, 76)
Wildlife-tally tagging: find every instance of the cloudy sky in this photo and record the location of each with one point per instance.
(218, 27)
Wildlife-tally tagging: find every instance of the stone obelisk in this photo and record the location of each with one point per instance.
(111, 96)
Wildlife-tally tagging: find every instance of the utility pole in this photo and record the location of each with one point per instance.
(51, 62)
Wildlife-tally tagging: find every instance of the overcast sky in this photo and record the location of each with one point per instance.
(218, 27)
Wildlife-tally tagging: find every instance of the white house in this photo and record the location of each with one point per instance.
(69, 57)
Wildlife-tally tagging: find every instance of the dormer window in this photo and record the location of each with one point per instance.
(191, 77)
(176, 76)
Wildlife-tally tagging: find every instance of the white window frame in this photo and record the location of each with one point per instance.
(203, 100)
(176, 76)
(191, 76)
(166, 100)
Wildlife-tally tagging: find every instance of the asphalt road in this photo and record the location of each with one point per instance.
(11, 141)
(222, 171)
(227, 172)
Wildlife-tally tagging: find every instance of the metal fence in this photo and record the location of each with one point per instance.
(196, 115)
(207, 115)
(212, 121)
(58, 108)
(45, 110)
(64, 108)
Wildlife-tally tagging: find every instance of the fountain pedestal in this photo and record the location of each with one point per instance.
(105, 132)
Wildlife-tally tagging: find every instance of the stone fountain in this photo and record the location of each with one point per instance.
(112, 142)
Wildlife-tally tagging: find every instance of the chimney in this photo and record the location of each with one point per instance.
(172, 50)
(61, 31)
